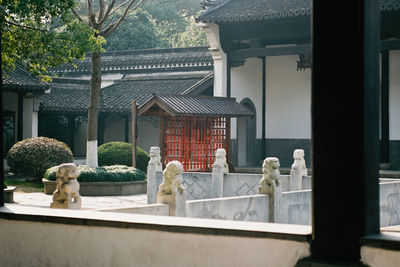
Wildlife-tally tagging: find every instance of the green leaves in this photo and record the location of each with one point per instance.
(43, 33)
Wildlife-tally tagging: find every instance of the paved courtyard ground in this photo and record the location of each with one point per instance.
(89, 203)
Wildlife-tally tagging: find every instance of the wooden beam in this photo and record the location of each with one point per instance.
(242, 54)
(390, 45)
(134, 120)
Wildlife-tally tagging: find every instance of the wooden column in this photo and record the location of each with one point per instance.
(345, 129)
(1, 133)
(264, 103)
(228, 137)
(228, 77)
(385, 108)
(134, 121)
(20, 128)
(71, 132)
(161, 140)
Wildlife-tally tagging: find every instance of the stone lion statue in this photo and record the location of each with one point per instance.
(155, 158)
(220, 160)
(271, 173)
(67, 195)
(172, 177)
(299, 163)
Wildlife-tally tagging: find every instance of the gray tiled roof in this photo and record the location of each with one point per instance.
(256, 10)
(118, 97)
(145, 60)
(21, 80)
(198, 105)
(72, 96)
(66, 96)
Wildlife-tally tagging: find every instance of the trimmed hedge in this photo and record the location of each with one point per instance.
(33, 156)
(116, 173)
(120, 153)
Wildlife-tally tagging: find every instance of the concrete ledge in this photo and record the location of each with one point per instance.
(385, 240)
(103, 188)
(297, 233)
(152, 209)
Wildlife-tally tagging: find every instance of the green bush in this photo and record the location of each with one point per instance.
(115, 173)
(33, 156)
(120, 153)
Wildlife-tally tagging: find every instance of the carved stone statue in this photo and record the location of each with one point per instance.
(155, 159)
(298, 170)
(220, 160)
(171, 191)
(153, 167)
(271, 173)
(299, 162)
(67, 195)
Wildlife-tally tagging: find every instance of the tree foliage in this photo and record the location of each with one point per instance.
(42, 33)
(174, 21)
(139, 31)
(159, 24)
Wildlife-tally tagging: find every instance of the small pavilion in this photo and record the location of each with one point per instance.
(193, 127)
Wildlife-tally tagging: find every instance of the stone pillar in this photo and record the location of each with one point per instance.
(270, 185)
(153, 166)
(220, 167)
(67, 195)
(171, 191)
(298, 170)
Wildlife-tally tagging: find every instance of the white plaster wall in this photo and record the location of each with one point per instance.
(246, 82)
(220, 61)
(29, 119)
(46, 244)
(377, 257)
(394, 95)
(288, 99)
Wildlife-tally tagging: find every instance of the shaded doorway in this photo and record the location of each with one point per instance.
(246, 136)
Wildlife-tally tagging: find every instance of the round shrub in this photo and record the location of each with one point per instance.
(115, 173)
(33, 156)
(120, 153)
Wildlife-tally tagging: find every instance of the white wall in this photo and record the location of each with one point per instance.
(25, 243)
(246, 82)
(394, 95)
(30, 117)
(288, 99)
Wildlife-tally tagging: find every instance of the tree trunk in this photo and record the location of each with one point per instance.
(93, 112)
